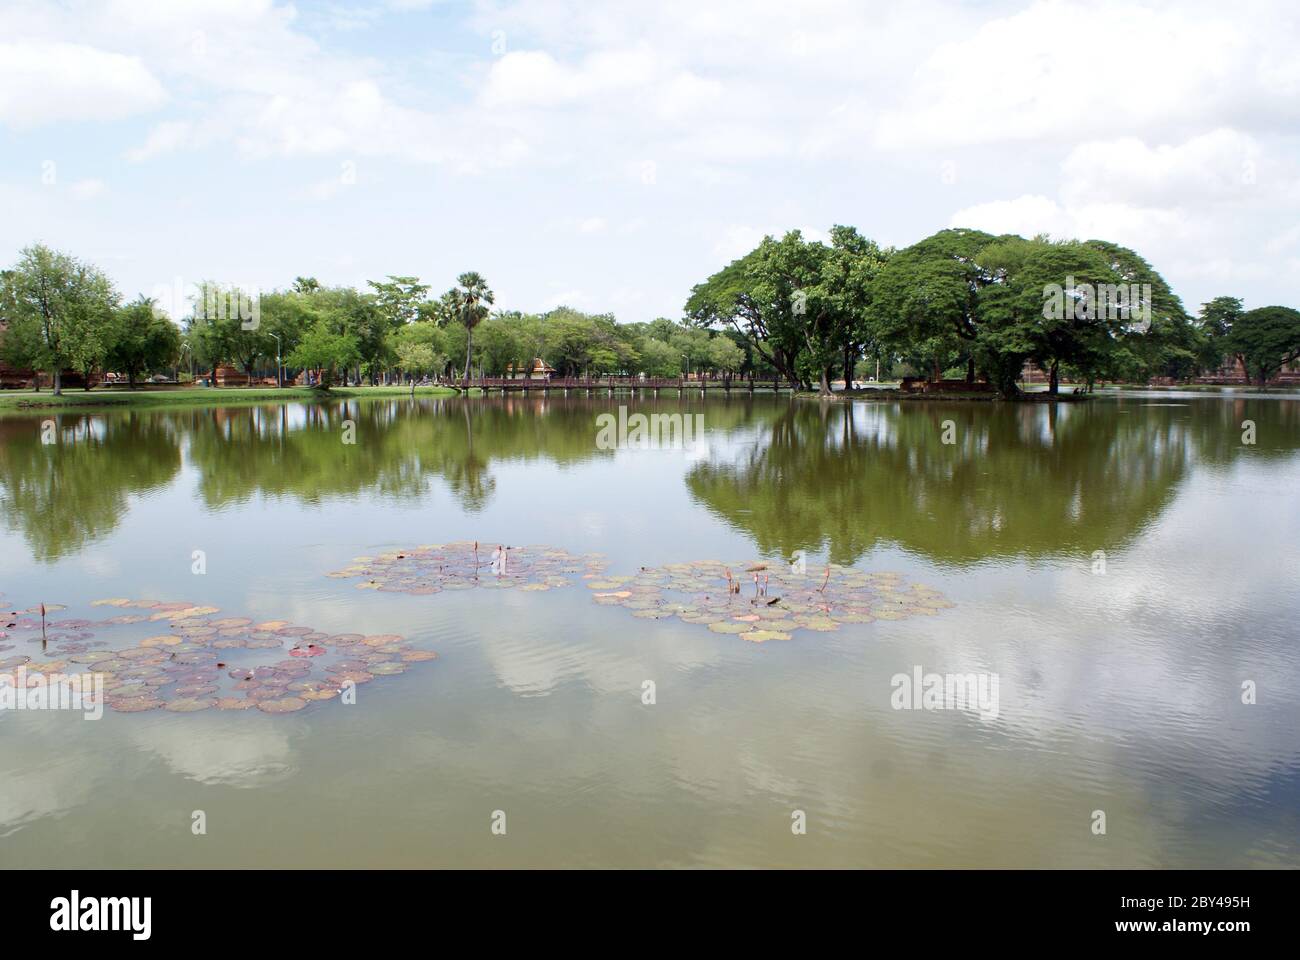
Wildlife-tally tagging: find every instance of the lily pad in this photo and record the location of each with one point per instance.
(283, 705)
(465, 565)
(234, 703)
(184, 670)
(188, 704)
(134, 704)
(766, 599)
(163, 641)
(729, 626)
(761, 636)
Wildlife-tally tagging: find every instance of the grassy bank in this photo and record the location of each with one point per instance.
(890, 394)
(190, 396)
(1201, 387)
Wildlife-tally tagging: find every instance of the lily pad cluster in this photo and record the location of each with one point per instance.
(469, 565)
(193, 660)
(759, 601)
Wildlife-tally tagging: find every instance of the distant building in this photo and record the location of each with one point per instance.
(1232, 371)
(541, 370)
(228, 376)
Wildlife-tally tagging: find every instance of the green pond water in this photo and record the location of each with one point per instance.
(1118, 691)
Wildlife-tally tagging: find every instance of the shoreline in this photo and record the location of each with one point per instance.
(895, 395)
(75, 398)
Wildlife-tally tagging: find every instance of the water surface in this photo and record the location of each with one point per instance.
(1119, 691)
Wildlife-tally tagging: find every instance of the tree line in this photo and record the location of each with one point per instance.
(59, 313)
(960, 304)
(967, 304)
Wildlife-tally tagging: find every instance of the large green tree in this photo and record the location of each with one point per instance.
(325, 350)
(924, 300)
(419, 348)
(725, 356)
(225, 327)
(142, 340)
(732, 298)
(1039, 303)
(398, 299)
(800, 305)
(60, 310)
(848, 281)
(1155, 336)
(1266, 339)
(1215, 322)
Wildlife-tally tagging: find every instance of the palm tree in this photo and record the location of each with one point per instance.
(473, 300)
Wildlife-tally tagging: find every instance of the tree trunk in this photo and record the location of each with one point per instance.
(824, 388)
(58, 382)
(469, 346)
(970, 369)
(935, 372)
(1055, 381)
(848, 368)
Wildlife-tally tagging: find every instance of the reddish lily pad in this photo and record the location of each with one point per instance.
(766, 600)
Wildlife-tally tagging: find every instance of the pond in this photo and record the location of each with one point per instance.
(1123, 572)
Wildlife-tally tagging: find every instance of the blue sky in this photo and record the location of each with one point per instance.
(610, 155)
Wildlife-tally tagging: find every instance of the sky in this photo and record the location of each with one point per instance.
(610, 155)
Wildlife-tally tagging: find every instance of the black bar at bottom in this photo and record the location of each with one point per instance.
(328, 909)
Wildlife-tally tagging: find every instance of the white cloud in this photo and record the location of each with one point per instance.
(1074, 70)
(163, 138)
(327, 189)
(634, 78)
(1218, 207)
(88, 188)
(1221, 164)
(44, 82)
(242, 754)
(1026, 215)
(692, 128)
(737, 240)
(568, 298)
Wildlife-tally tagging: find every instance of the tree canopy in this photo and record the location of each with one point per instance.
(960, 303)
